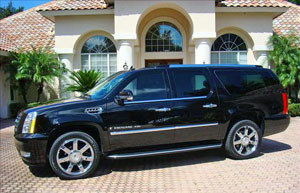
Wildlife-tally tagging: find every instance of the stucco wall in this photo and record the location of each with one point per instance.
(254, 28)
(69, 29)
(128, 14)
(4, 95)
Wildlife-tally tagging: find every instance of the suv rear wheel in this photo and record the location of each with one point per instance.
(74, 155)
(243, 140)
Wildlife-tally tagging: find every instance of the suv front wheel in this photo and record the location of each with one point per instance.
(243, 140)
(74, 155)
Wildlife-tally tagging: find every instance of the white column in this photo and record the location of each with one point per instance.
(202, 51)
(262, 59)
(125, 55)
(67, 60)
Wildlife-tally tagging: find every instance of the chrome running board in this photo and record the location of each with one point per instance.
(164, 151)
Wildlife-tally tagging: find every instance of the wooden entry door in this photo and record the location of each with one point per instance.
(153, 63)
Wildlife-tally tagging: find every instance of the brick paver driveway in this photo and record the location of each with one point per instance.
(276, 170)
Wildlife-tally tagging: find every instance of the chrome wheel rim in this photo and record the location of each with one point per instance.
(245, 140)
(75, 156)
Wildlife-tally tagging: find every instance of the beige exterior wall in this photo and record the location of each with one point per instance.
(127, 25)
(254, 28)
(4, 95)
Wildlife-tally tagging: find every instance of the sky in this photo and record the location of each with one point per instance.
(27, 4)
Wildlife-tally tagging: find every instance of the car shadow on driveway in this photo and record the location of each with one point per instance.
(271, 146)
(167, 161)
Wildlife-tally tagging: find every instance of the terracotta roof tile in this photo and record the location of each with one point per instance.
(288, 22)
(56, 5)
(26, 29)
(251, 3)
(6, 44)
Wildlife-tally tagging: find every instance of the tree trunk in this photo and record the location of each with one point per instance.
(40, 91)
(23, 90)
(296, 91)
(290, 91)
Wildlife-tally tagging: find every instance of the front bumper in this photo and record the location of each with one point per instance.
(32, 148)
(276, 124)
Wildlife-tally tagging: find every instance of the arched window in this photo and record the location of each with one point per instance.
(229, 49)
(163, 37)
(99, 53)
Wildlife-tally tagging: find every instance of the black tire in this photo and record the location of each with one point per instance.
(234, 151)
(82, 140)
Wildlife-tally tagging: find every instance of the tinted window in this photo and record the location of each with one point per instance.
(241, 82)
(148, 86)
(190, 83)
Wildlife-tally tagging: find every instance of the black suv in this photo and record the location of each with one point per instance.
(155, 111)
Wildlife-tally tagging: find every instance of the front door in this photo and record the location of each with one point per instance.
(153, 63)
(196, 107)
(143, 120)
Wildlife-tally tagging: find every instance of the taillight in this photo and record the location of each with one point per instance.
(285, 103)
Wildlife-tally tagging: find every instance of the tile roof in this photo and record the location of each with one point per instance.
(24, 30)
(30, 28)
(6, 44)
(251, 3)
(288, 22)
(59, 5)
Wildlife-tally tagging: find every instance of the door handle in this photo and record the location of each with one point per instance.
(209, 106)
(163, 110)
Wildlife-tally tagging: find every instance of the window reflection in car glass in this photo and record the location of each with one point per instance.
(191, 83)
(148, 86)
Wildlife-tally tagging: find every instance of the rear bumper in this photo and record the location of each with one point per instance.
(276, 124)
(32, 148)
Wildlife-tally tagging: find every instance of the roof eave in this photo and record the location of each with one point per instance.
(4, 53)
(275, 10)
(51, 14)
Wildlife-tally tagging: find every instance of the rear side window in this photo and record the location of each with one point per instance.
(148, 85)
(190, 82)
(241, 82)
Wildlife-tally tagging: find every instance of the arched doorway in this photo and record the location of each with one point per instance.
(163, 37)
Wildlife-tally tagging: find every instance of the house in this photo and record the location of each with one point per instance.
(110, 35)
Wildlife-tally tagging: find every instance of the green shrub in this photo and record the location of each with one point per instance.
(14, 108)
(294, 109)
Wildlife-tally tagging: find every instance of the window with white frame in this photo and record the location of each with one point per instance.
(163, 37)
(229, 49)
(99, 53)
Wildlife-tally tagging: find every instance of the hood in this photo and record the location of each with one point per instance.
(63, 103)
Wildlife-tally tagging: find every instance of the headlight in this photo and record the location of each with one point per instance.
(29, 123)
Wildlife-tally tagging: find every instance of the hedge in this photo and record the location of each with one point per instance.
(294, 109)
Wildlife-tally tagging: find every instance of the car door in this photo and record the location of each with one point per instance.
(195, 108)
(141, 121)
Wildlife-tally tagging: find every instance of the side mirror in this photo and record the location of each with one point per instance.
(124, 95)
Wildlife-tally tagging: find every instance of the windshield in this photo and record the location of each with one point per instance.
(106, 85)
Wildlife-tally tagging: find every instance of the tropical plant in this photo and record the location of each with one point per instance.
(11, 68)
(295, 1)
(286, 58)
(84, 80)
(40, 66)
(9, 10)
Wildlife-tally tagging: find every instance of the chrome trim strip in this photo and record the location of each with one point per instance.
(161, 129)
(166, 151)
(164, 100)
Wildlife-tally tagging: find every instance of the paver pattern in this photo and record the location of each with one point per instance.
(277, 169)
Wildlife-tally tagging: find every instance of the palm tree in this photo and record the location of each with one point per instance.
(11, 68)
(84, 80)
(40, 66)
(286, 58)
